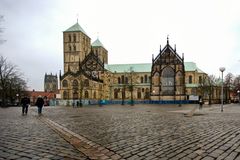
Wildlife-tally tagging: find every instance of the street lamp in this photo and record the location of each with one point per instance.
(222, 69)
(238, 96)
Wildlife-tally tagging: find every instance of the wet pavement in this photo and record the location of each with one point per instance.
(121, 132)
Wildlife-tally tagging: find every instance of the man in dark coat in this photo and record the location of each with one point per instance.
(25, 102)
(39, 104)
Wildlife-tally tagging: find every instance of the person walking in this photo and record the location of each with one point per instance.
(200, 103)
(39, 104)
(25, 102)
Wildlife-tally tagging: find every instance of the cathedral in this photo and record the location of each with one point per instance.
(87, 77)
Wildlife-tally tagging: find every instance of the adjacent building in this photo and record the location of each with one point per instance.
(50, 83)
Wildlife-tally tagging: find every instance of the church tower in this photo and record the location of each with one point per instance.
(76, 46)
(100, 50)
(50, 83)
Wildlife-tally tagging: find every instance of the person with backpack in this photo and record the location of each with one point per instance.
(25, 102)
(39, 104)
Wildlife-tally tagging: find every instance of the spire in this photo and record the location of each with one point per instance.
(97, 43)
(167, 40)
(153, 56)
(175, 48)
(160, 48)
(77, 18)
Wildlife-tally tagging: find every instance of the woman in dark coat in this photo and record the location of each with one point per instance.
(39, 104)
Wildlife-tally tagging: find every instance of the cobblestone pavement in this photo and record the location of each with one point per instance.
(125, 132)
(26, 137)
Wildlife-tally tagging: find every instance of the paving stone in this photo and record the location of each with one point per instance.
(159, 133)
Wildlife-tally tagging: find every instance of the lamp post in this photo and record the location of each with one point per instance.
(17, 101)
(238, 96)
(222, 69)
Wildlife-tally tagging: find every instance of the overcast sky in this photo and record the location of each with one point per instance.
(206, 31)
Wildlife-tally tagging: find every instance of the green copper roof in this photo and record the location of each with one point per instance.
(145, 67)
(97, 43)
(191, 66)
(75, 28)
(120, 68)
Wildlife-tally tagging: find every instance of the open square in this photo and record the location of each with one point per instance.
(122, 132)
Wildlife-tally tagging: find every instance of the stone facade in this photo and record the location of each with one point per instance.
(88, 77)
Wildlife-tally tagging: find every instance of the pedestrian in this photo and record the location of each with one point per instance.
(39, 104)
(200, 103)
(25, 102)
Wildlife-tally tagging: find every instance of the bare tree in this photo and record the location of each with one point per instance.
(206, 87)
(229, 84)
(11, 82)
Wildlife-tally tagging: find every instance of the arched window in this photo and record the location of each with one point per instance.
(168, 81)
(115, 93)
(65, 95)
(200, 79)
(75, 84)
(75, 94)
(69, 38)
(122, 79)
(86, 94)
(190, 79)
(126, 80)
(145, 78)
(119, 80)
(74, 47)
(94, 95)
(74, 38)
(147, 94)
(69, 48)
(141, 79)
(139, 94)
(65, 83)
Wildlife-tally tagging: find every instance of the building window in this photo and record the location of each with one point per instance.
(126, 80)
(75, 83)
(167, 81)
(69, 48)
(139, 94)
(142, 89)
(147, 94)
(119, 80)
(115, 93)
(145, 78)
(65, 83)
(74, 38)
(122, 79)
(74, 47)
(86, 94)
(190, 79)
(200, 79)
(69, 38)
(94, 95)
(75, 94)
(141, 79)
(65, 95)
